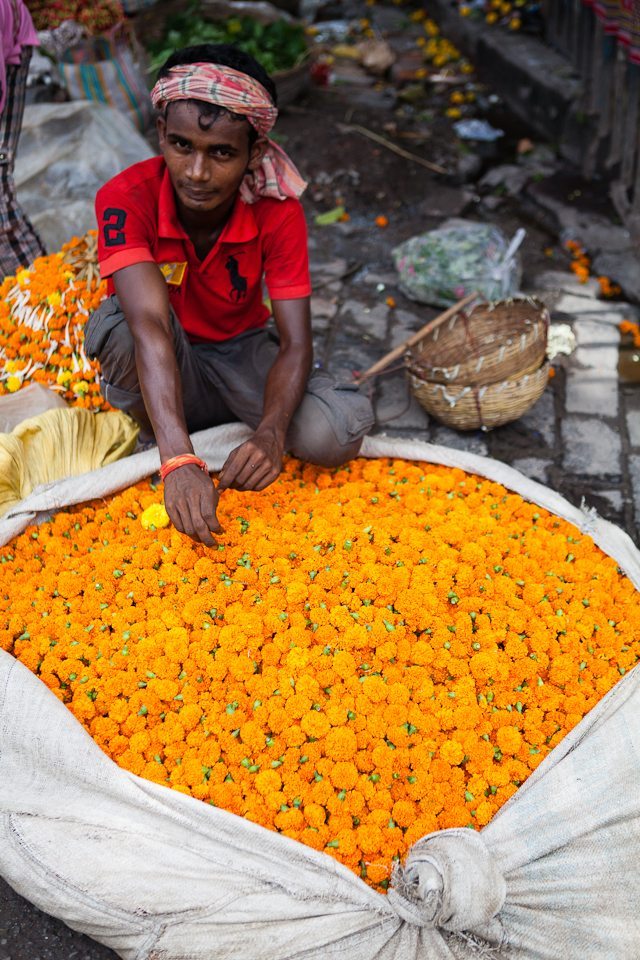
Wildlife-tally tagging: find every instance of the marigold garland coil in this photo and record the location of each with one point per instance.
(43, 311)
(369, 654)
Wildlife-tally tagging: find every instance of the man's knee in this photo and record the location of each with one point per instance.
(108, 339)
(330, 424)
(320, 445)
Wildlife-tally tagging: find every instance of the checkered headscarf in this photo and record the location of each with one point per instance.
(238, 93)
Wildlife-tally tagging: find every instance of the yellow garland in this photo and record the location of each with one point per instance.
(368, 655)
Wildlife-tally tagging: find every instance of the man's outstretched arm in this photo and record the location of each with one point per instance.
(189, 494)
(258, 462)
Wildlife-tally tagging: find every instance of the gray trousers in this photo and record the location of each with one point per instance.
(225, 381)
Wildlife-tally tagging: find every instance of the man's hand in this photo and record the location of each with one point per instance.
(190, 498)
(254, 464)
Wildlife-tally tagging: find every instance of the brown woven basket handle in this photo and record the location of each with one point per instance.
(416, 337)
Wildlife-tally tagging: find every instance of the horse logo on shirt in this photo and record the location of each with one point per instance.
(238, 289)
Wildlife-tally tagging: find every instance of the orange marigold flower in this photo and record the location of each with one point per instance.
(509, 740)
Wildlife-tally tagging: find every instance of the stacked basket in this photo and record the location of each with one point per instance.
(483, 368)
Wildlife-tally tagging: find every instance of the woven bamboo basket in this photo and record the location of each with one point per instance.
(493, 342)
(471, 407)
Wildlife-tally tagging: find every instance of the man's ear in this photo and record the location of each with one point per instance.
(161, 127)
(258, 151)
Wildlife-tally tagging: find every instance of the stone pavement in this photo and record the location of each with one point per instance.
(582, 437)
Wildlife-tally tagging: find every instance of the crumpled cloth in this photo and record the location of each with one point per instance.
(60, 443)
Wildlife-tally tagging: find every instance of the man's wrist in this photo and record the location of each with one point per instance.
(275, 431)
(174, 445)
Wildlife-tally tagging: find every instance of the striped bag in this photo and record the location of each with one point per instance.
(109, 69)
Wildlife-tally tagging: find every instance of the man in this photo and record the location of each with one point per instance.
(19, 243)
(186, 240)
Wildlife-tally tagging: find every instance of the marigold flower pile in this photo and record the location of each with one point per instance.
(630, 327)
(369, 654)
(581, 266)
(438, 50)
(42, 315)
(96, 17)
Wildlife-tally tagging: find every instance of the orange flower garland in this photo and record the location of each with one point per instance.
(42, 315)
(368, 655)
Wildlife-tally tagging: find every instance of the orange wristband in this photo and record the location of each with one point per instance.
(181, 461)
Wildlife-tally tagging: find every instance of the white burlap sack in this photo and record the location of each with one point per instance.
(157, 875)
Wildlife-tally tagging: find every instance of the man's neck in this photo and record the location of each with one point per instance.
(203, 229)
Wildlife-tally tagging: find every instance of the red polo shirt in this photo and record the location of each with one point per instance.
(222, 295)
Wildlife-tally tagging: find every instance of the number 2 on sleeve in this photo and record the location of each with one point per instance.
(113, 230)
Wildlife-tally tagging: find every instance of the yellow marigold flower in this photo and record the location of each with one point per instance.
(54, 299)
(81, 388)
(155, 516)
(13, 383)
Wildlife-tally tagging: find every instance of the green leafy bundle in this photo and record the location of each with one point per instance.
(277, 46)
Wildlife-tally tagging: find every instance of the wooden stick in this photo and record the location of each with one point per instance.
(356, 128)
(416, 337)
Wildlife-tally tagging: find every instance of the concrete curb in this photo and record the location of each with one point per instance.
(535, 81)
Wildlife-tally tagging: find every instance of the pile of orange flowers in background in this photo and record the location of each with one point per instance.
(42, 315)
(508, 13)
(630, 327)
(369, 654)
(96, 17)
(581, 266)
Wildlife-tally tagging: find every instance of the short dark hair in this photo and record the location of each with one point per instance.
(226, 55)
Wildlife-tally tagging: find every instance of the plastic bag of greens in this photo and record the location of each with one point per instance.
(443, 265)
